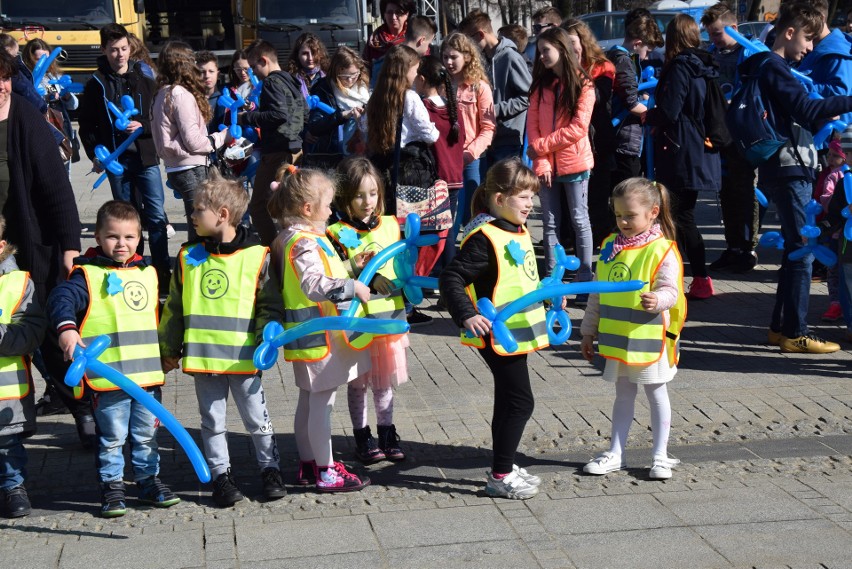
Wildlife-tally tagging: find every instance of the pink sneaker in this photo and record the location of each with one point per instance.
(833, 314)
(700, 288)
(337, 479)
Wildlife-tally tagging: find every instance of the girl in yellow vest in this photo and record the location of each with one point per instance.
(497, 261)
(638, 332)
(360, 202)
(22, 325)
(314, 283)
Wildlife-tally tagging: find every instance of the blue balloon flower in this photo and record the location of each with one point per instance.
(114, 284)
(349, 238)
(197, 255)
(516, 253)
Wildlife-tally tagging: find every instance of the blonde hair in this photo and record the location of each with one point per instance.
(294, 188)
(217, 192)
(473, 70)
(351, 173)
(508, 177)
(649, 194)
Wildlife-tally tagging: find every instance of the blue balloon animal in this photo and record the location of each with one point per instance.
(234, 106)
(88, 359)
(256, 87)
(761, 197)
(66, 85)
(315, 103)
(556, 314)
(275, 336)
(847, 189)
(122, 116)
(811, 233)
(771, 239)
(41, 67)
(647, 84)
(109, 159)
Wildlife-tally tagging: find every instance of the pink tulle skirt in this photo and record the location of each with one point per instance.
(389, 362)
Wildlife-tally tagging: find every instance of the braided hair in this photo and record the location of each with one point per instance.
(436, 76)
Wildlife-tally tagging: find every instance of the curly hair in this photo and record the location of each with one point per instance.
(592, 53)
(317, 49)
(473, 70)
(177, 67)
(29, 57)
(385, 105)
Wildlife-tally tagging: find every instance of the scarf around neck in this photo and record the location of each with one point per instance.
(622, 242)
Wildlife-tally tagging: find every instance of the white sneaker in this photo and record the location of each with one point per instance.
(604, 464)
(530, 479)
(662, 468)
(510, 486)
(170, 231)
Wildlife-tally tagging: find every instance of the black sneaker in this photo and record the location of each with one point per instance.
(728, 258)
(417, 318)
(112, 499)
(745, 262)
(50, 404)
(16, 503)
(152, 491)
(273, 485)
(225, 491)
(86, 431)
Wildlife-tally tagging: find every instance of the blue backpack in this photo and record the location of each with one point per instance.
(751, 132)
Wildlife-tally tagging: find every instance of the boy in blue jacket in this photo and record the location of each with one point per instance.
(788, 176)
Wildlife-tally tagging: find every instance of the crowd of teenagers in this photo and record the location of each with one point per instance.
(569, 125)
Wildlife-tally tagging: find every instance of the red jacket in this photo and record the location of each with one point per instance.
(561, 140)
(449, 159)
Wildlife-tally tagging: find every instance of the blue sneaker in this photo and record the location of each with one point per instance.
(112, 499)
(152, 491)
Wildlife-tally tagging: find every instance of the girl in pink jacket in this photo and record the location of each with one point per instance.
(562, 97)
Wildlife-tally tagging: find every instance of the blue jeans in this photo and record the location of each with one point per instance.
(471, 176)
(13, 461)
(578, 213)
(452, 234)
(118, 415)
(149, 187)
(790, 314)
(845, 292)
(185, 182)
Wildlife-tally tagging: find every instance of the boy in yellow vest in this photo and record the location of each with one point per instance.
(209, 321)
(113, 291)
(22, 325)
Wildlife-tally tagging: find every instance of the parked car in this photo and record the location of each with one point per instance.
(752, 29)
(608, 27)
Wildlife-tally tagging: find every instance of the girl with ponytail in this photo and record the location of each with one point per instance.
(434, 84)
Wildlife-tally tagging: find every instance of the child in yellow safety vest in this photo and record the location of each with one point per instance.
(497, 261)
(314, 283)
(360, 202)
(113, 291)
(638, 331)
(209, 320)
(22, 325)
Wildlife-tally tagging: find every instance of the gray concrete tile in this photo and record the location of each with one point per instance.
(781, 543)
(840, 443)
(359, 560)
(602, 513)
(838, 492)
(180, 550)
(31, 557)
(303, 538)
(509, 554)
(787, 448)
(642, 549)
(440, 527)
(735, 505)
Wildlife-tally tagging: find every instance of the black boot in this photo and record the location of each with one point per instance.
(225, 491)
(86, 431)
(389, 442)
(16, 503)
(366, 449)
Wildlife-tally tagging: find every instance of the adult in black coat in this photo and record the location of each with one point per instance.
(683, 163)
(38, 204)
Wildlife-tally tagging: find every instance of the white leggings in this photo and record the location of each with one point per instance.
(312, 426)
(622, 415)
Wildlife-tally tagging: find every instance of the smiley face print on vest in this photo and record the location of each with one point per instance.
(214, 284)
(135, 295)
(619, 273)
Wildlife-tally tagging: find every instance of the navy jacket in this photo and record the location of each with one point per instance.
(793, 114)
(680, 159)
(625, 95)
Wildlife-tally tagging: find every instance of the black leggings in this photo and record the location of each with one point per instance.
(513, 405)
(689, 239)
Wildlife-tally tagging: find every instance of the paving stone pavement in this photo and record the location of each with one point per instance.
(765, 439)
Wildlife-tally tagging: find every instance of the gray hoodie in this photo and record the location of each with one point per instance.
(20, 337)
(510, 77)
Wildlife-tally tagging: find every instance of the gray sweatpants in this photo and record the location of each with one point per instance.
(212, 392)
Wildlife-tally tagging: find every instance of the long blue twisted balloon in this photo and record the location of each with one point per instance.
(556, 315)
(88, 359)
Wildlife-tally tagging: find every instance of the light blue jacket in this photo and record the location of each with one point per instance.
(830, 67)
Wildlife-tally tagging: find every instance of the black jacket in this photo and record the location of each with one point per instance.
(322, 125)
(681, 162)
(41, 211)
(96, 122)
(625, 95)
(281, 114)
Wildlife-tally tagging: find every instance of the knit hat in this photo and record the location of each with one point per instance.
(835, 147)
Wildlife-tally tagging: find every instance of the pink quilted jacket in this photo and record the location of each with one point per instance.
(562, 141)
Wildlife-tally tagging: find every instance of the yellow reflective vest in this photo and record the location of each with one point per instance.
(15, 380)
(123, 304)
(299, 308)
(517, 275)
(355, 241)
(219, 297)
(627, 332)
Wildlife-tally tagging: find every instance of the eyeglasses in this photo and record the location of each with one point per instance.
(398, 13)
(349, 76)
(241, 69)
(538, 27)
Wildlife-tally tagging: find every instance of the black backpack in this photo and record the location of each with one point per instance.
(715, 109)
